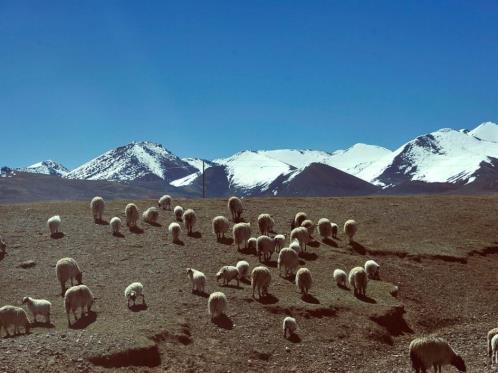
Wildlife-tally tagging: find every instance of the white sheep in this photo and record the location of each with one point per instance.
(115, 224)
(178, 211)
(491, 334)
(279, 242)
(309, 225)
(265, 224)
(241, 233)
(427, 352)
(97, 205)
(3, 245)
(68, 269)
(131, 212)
(235, 207)
(302, 235)
(340, 277)
(151, 215)
(38, 307)
(198, 280)
(289, 325)
(304, 280)
(298, 219)
(372, 269)
(133, 291)
(358, 279)
(335, 229)
(228, 273)
(324, 228)
(174, 230)
(76, 297)
(54, 225)
(260, 279)
(265, 246)
(243, 268)
(350, 229)
(220, 226)
(494, 349)
(288, 260)
(295, 245)
(189, 218)
(217, 304)
(16, 316)
(164, 202)
(252, 244)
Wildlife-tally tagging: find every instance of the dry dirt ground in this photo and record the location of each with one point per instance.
(441, 251)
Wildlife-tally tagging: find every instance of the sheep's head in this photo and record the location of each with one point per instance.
(25, 300)
(190, 272)
(458, 363)
(220, 274)
(133, 295)
(79, 278)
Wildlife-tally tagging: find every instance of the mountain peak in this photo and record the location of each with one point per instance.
(47, 167)
(487, 131)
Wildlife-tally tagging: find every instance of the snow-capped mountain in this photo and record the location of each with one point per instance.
(135, 161)
(487, 131)
(197, 163)
(46, 167)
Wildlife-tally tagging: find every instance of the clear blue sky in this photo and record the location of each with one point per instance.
(210, 78)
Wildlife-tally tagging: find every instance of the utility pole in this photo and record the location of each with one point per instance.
(203, 181)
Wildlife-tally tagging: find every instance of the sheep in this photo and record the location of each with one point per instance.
(38, 307)
(235, 207)
(324, 228)
(174, 230)
(491, 334)
(189, 219)
(76, 297)
(294, 245)
(287, 259)
(289, 325)
(68, 269)
(133, 291)
(164, 202)
(427, 352)
(16, 316)
(228, 273)
(178, 211)
(340, 277)
(335, 229)
(260, 279)
(309, 225)
(241, 233)
(243, 268)
(54, 225)
(220, 226)
(97, 205)
(279, 242)
(494, 349)
(252, 244)
(265, 246)
(115, 224)
(304, 280)
(265, 224)
(217, 304)
(372, 269)
(298, 219)
(358, 279)
(350, 228)
(151, 215)
(3, 246)
(131, 212)
(302, 235)
(198, 280)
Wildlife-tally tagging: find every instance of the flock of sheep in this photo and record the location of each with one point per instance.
(425, 352)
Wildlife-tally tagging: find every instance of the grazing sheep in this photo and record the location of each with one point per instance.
(76, 297)
(3, 245)
(289, 260)
(217, 304)
(260, 279)
(340, 277)
(16, 316)
(189, 219)
(198, 280)
(302, 235)
(279, 242)
(324, 228)
(265, 224)
(228, 273)
(350, 228)
(372, 269)
(252, 244)
(494, 349)
(115, 224)
(133, 291)
(164, 202)
(243, 268)
(178, 211)
(151, 215)
(358, 279)
(265, 246)
(241, 233)
(38, 307)
(220, 226)
(289, 325)
(54, 225)
(295, 245)
(131, 212)
(68, 269)
(309, 225)
(304, 280)
(235, 207)
(427, 352)
(174, 230)
(97, 205)
(298, 219)
(491, 334)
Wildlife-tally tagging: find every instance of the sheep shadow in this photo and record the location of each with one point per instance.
(118, 234)
(138, 307)
(231, 286)
(359, 248)
(343, 287)
(294, 338)
(2, 255)
(154, 224)
(268, 299)
(315, 244)
(179, 242)
(202, 294)
(330, 242)
(57, 236)
(301, 262)
(308, 298)
(365, 298)
(195, 234)
(239, 220)
(270, 263)
(291, 278)
(101, 222)
(245, 281)
(39, 324)
(247, 251)
(84, 321)
(308, 256)
(136, 229)
(223, 321)
(225, 240)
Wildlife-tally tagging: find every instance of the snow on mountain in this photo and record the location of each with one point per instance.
(46, 167)
(358, 157)
(197, 163)
(487, 131)
(135, 161)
